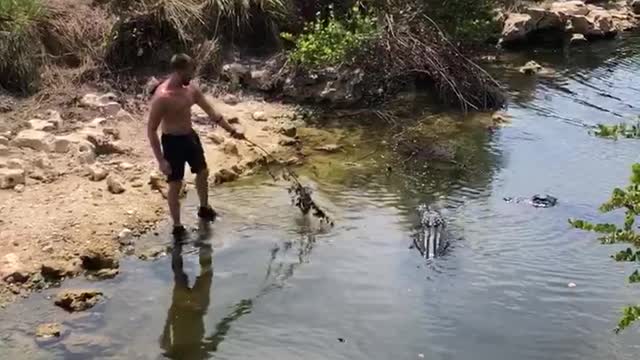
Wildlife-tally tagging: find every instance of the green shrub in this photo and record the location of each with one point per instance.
(332, 41)
(466, 21)
(627, 199)
(19, 44)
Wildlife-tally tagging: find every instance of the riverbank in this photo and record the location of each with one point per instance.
(79, 185)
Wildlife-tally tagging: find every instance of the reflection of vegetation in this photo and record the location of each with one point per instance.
(620, 130)
(628, 200)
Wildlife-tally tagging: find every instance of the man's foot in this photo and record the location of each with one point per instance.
(179, 231)
(207, 213)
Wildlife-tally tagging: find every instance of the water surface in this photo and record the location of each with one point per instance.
(266, 283)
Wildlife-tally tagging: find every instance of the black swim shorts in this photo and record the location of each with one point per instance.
(181, 149)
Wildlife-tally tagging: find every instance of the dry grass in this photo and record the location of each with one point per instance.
(209, 59)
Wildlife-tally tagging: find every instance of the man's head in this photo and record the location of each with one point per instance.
(183, 67)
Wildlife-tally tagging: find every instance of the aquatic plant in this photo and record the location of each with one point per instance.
(629, 131)
(627, 199)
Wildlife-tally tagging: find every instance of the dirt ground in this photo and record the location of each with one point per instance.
(65, 217)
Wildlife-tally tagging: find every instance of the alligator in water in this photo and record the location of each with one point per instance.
(539, 201)
(429, 235)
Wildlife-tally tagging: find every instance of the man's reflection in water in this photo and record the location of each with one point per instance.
(184, 328)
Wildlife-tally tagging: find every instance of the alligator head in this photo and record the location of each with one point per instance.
(428, 238)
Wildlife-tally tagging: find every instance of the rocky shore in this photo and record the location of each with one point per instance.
(573, 22)
(79, 184)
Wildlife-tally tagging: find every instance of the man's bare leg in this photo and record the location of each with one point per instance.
(173, 197)
(202, 186)
(205, 212)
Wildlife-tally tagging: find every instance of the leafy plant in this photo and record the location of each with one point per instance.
(466, 21)
(333, 41)
(627, 199)
(621, 130)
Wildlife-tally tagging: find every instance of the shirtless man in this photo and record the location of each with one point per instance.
(171, 109)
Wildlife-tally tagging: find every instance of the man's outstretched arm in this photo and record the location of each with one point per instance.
(215, 116)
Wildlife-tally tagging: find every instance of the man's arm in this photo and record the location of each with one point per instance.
(215, 116)
(155, 117)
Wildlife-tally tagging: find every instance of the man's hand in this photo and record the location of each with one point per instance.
(165, 167)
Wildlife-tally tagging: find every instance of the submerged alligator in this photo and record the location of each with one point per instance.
(539, 201)
(429, 237)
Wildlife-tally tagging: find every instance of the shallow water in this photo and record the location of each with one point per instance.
(267, 283)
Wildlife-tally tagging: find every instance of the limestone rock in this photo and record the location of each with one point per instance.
(105, 274)
(288, 130)
(517, 27)
(55, 118)
(15, 164)
(96, 259)
(293, 161)
(230, 148)
(215, 138)
(97, 122)
(114, 185)
(230, 99)
(93, 100)
(97, 173)
(78, 300)
(48, 330)
(9, 178)
(500, 118)
(124, 115)
(578, 40)
(4, 150)
(259, 116)
(153, 253)
(545, 20)
(58, 269)
(225, 175)
(42, 162)
(41, 125)
(531, 68)
(111, 109)
(237, 74)
(329, 148)
(567, 9)
(634, 5)
(33, 139)
(287, 141)
(126, 166)
(12, 270)
(260, 80)
(19, 188)
(125, 237)
(61, 144)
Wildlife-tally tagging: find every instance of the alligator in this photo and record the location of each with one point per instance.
(539, 201)
(428, 238)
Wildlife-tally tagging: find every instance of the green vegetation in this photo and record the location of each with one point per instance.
(621, 130)
(464, 21)
(18, 51)
(18, 15)
(627, 199)
(332, 41)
